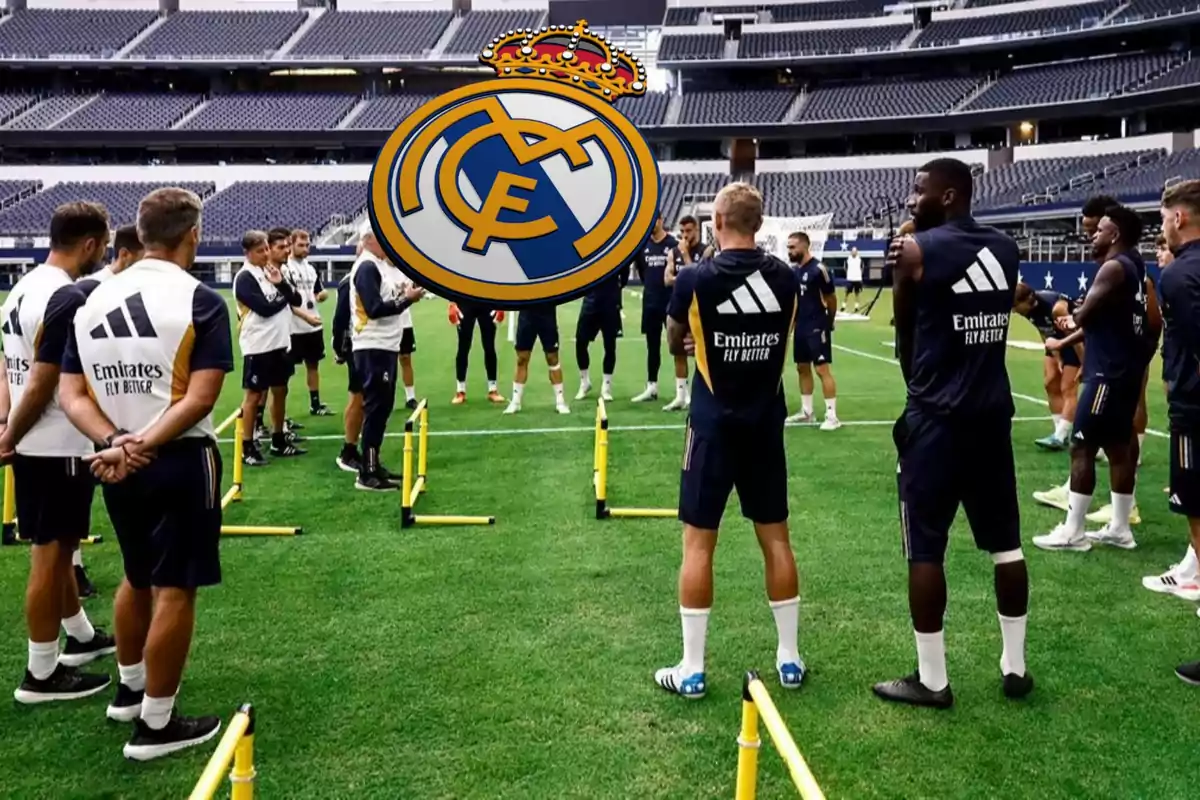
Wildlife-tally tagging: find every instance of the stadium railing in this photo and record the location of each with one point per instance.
(756, 703)
(237, 491)
(9, 534)
(412, 486)
(600, 476)
(236, 748)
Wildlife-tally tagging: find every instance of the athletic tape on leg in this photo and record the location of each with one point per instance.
(1008, 557)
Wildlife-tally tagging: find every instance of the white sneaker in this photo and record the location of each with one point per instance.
(513, 407)
(1173, 582)
(800, 418)
(1111, 536)
(831, 423)
(1060, 539)
(648, 394)
(1103, 515)
(1058, 497)
(606, 394)
(678, 404)
(584, 390)
(562, 408)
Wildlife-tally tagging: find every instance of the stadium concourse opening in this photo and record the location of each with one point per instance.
(415, 485)
(237, 491)
(600, 476)
(9, 533)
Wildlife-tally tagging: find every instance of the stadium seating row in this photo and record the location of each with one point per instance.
(1021, 88)
(851, 195)
(50, 33)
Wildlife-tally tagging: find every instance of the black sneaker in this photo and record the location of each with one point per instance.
(180, 733)
(126, 706)
(253, 457)
(321, 411)
(65, 683)
(389, 475)
(910, 690)
(78, 653)
(349, 461)
(411, 403)
(1017, 686)
(286, 450)
(1189, 673)
(374, 483)
(292, 437)
(290, 424)
(86, 587)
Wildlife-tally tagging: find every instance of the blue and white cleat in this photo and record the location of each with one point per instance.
(672, 679)
(791, 674)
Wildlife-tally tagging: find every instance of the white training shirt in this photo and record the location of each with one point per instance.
(37, 317)
(139, 337)
(303, 276)
(384, 332)
(258, 333)
(854, 269)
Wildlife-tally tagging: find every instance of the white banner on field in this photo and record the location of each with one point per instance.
(773, 235)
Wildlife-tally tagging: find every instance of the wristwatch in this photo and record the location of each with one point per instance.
(108, 440)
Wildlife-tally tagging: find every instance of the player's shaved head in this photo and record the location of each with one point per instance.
(941, 190)
(738, 209)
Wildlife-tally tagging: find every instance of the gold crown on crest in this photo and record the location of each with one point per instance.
(570, 54)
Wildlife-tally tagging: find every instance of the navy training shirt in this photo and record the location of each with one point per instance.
(651, 265)
(740, 307)
(1115, 343)
(1179, 288)
(1042, 315)
(814, 286)
(963, 304)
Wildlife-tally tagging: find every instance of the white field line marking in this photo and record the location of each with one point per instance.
(1041, 401)
(325, 437)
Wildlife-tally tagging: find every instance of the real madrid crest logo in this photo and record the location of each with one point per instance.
(524, 189)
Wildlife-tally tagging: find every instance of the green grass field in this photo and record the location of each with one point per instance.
(515, 661)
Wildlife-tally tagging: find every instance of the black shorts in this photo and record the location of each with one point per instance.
(54, 498)
(1185, 475)
(532, 328)
(854, 287)
(591, 323)
(308, 348)
(943, 464)
(408, 342)
(353, 382)
(263, 371)
(1104, 414)
(375, 370)
(1068, 357)
(167, 517)
(752, 460)
(813, 347)
(654, 319)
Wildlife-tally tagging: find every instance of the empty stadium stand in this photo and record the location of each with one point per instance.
(50, 111)
(310, 205)
(1076, 80)
(386, 112)
(372, 34)
(752, 106)
(283, 112)
(896, 99)
(480, 27)
(197, 34)
(1014, 23)
(31, 217)
(45, 33)
(130, 112)
(782, 44)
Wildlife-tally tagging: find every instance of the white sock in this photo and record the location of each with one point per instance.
(681, 387)
(558, 394)
(518, 390)
(43, 658)
(77, 558)
(1077, 508)
(787, 625)
(1062, 429)
(806, 403)
(156, 711)
(1189, 566)
(652, 386)
(79, 627)
(1141, 441)
(1012, 631)
(931, 660)
(607, 382)
(462, 386)
(1122, 506)
(410, 393)
(695, 631)
(491, 386)
(831, 408)
(1057, 420)
(585, 379)
(133, 676)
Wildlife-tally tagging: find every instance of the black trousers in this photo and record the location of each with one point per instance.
(466, 338)
(377, 371)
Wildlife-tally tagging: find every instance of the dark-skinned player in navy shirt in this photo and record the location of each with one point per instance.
(952, 297)
(1060, 369)
(600, 313)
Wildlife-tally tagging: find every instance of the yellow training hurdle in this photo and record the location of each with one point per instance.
(413, 486)
(8, 525)
(757, 702)
(236, 746)
(237, 491)
(600, 476)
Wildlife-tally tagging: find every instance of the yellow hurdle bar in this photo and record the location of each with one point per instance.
(236, 747)
(600, 476)
(412, 486)
(756, 702)
(8, 525)
(236, 492)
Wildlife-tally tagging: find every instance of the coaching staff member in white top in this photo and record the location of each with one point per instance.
(53, 486)
(144, 365)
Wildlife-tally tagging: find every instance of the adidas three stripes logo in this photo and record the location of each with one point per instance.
(754, 297)
(984, 275)
(120, 328)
